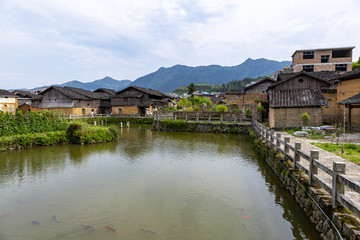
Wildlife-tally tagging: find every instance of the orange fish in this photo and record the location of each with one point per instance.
(246, 217)
(110, 229)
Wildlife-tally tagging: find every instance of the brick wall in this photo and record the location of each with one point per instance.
(348, 89)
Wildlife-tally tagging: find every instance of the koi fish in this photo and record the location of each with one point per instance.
(49, 168)
(55, 219)
(148, 231)
(35, 222)
(246, 217)
(110, 229)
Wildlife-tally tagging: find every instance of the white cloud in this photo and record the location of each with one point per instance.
(44, 42)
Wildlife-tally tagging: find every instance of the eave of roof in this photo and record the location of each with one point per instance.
(351, 100)
(323, 49)
(259, 82)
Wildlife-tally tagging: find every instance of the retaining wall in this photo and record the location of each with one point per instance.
(310, 198)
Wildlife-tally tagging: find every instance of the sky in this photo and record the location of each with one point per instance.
(44, 42)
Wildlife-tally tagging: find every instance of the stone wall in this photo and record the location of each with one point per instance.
(297, 184)
(182, 126)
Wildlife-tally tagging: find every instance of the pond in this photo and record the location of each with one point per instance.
(148, 185)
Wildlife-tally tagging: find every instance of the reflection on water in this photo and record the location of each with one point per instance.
(148, 185)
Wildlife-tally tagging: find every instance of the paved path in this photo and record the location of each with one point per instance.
(327, 158)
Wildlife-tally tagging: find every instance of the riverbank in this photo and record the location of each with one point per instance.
(314, 201)
(76, 133)
(200, 127)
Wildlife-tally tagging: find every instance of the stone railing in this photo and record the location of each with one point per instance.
(233, 117)
(340, 182)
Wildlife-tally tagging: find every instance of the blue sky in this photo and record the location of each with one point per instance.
(44, 42)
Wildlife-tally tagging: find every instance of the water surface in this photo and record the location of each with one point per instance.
(149, 185)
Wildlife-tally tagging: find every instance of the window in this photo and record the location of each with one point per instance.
(325, 58)
(340, 67)
(341, 53)
(308, 55)
(308, 68)
(301, 80)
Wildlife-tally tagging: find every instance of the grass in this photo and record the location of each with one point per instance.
(351, 151)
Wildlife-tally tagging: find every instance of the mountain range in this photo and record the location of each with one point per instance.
(169, 79)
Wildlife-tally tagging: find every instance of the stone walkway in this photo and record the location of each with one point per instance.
(327, 158)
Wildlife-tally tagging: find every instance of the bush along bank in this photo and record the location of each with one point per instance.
(76, 133)
(171, 125)
(331, 223)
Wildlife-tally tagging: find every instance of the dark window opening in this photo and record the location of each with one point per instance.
(308, 55)
(340, 67)
(301, 80)
(341, 53)
(308, 68)
(325, 58)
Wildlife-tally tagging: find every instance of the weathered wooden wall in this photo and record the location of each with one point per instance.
(307, 82)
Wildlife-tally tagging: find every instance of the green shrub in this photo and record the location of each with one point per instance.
(248, 112)
(74, 133)
(305, 119)
(170, 109)
(221, 108)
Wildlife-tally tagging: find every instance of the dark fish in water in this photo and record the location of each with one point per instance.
(35, 222)
(88, 227)
(110, 229)
(148, 231)
(55, 219)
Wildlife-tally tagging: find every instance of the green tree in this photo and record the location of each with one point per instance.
(356, 64)
(191, 90)
(305, 119)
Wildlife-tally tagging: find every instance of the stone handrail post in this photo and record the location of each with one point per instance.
(337, 187)
(313, 170)
(272, 137)
(266, 134)
(286, 147)
(296, 154)
(278, 137)
(209, 118)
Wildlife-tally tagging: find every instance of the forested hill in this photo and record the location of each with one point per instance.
(169, 79)
(233, 85)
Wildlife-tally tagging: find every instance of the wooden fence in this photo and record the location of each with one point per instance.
(340, 182)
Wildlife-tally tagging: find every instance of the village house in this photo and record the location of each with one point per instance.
(348, 95)
(324, 59)
(290, 98)
(135, 100)
(25, 99)
(8, 101)
(234, 98)
(69, 100)
(256, 93)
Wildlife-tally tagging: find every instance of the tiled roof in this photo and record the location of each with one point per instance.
(351, 100)
(78, 93)
(329, 76)
(4, 92)
(261, 81)
(296, 98)
(147, 90)
(351, 75)
(26, 94)
(106, 90)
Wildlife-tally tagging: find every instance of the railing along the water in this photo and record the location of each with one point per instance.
(227, 117)
(337, 173)
(80, 116)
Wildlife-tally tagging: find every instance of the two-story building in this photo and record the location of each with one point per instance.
(322, 59)
(8, 101)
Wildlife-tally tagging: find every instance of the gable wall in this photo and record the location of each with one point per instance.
(307, 83)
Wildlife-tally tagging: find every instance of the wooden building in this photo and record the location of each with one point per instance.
(8, 101)
(347, 95)
(137, 100)
(324, 59)
(293, 95)
(287, 106)
(25, 99)
(69, 100)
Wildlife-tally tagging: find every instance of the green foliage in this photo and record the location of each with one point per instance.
(200, 100)
(170, 109)
(260, 108)
(184, 102)
(356, 64)
(248, 112)
(222, 108)
(191, 89)
(351, 151)
(305, 119)
(119, 120)
(80, 132)
(176, 125)
(74, 133)
(32, 122)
